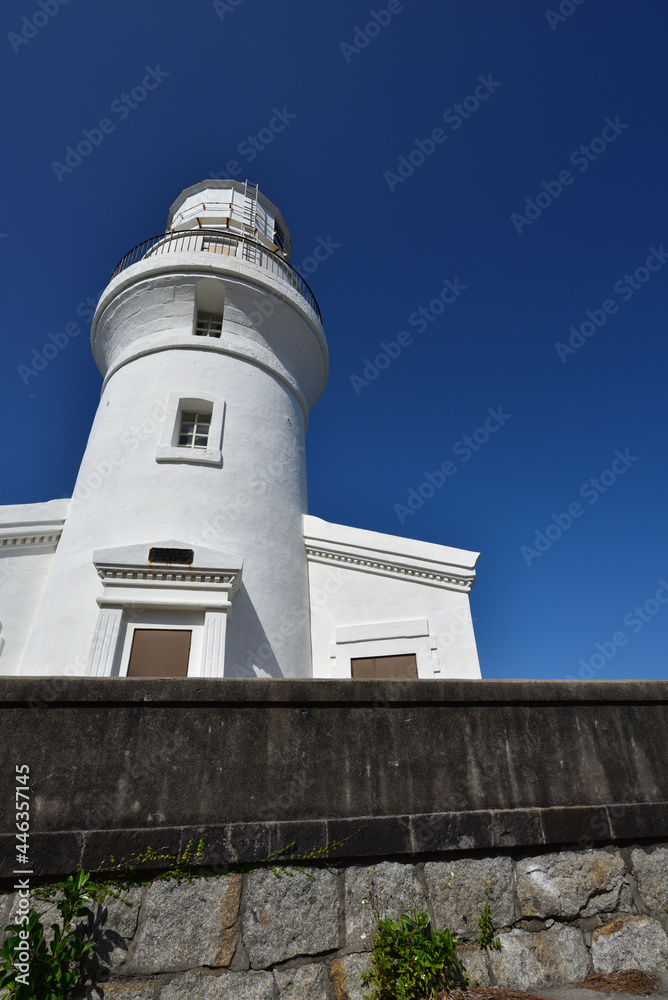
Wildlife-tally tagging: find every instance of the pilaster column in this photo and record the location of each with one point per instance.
(105, 642)
(213, 654)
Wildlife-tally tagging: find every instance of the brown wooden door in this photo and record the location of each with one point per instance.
(404, 667)
(159, 652)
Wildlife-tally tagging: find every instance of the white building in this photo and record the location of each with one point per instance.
(186, 547)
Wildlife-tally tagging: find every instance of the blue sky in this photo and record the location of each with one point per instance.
(531, 143)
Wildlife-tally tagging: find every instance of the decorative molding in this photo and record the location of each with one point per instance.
(33, 536)
(419, 571)
(381, 630)
(159, 576)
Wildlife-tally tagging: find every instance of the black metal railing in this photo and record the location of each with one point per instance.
(228, 245)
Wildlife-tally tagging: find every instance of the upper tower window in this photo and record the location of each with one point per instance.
(209, 324)
(194, 430)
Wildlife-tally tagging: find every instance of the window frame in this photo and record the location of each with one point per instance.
(378, 639)
(200, 419)
(211, 317)
(167, 619)
(169, 450)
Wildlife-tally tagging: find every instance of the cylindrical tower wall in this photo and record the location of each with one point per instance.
(261, 374)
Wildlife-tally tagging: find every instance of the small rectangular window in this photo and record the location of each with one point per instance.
(209, 324)
(194, 430)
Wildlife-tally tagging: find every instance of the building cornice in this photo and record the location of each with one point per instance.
(31, 536)
(364, 560)
(159, 576)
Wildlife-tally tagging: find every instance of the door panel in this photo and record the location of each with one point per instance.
(160, 653)
(404, 667)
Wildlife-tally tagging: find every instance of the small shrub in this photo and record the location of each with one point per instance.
(54, 968)
(411, 961)
(486, 937)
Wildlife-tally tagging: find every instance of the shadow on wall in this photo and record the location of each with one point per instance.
(260, 661)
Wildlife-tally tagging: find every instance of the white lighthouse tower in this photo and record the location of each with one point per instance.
(189, 502)
(186, 548)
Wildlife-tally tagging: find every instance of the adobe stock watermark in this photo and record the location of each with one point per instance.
(266, 306)
(465, 448)
(564, 11)
(419, 320)
(459, 625)
(582, 158)
(254, 144)
(31, 26)
(121, 108)
(455, 117)
(322, 251)
(625, 288)
(635, 620)
(265, 656)
(591, 491)
(223, 7)
(56, 343)
(362, 37)
(128, 442)
(273, 473)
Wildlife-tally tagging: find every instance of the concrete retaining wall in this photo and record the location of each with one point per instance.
(394, 767)
(551, 795)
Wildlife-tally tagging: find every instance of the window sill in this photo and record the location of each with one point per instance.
(194, 456)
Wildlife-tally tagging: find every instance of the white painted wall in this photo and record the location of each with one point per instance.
(362, 578)
(25, 561)
(250, 506)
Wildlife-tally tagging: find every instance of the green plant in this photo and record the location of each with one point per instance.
(53, 969)
(410, 961)
(486, 937)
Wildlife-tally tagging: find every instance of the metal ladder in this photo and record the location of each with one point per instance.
(250, 210)
(250, 219)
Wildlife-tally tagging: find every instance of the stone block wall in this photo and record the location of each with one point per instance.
(558, 914)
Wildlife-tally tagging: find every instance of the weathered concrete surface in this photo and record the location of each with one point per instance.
(229, 986)
(501, 761)
(189, 925)
(569, 884)
(459, 889)
(630, 942)
(532, 961)
(120, 989)
(116, 920)
(345, 974)
(293, 915)
(297, 938)
(651, 872)
(474, 961)
(390, 888)
(309, 982)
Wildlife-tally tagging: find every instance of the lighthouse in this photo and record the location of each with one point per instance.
(187, 548)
